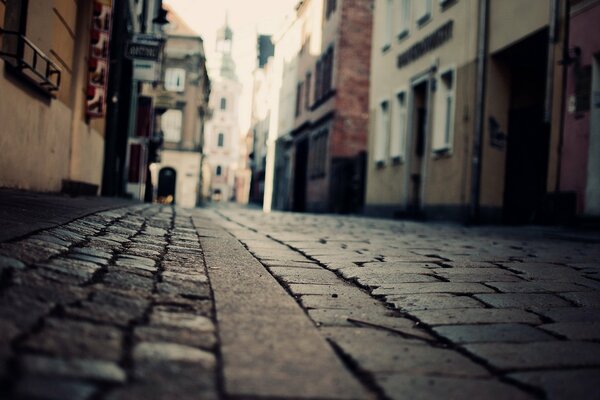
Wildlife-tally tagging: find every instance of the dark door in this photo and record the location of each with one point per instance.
(167, 179)
(300, 174)
(418, 146)
(528, 136)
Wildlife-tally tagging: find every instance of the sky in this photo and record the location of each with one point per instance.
(247, 18)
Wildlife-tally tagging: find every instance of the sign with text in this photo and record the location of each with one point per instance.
(143, 51)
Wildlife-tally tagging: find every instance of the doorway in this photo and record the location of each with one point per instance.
(167, 179)
(417, 146)
(528, 136)
(300, 175)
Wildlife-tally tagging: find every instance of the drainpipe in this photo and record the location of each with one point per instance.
(552, 38)
(563, 102)
(482, 39)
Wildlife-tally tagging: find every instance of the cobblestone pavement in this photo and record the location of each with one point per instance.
(420, 311)
(155, 302)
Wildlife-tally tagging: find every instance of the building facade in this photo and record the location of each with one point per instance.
(51, 137)
(579, 175)
(181, 107)
(324, 150)
(222, 138)
(260, 116)
(464, 108)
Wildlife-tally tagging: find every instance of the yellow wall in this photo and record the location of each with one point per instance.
(448, 176)
(47, 139)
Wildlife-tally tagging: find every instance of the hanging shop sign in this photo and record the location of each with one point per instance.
(145, 51)
(429, 43)
(98, 58)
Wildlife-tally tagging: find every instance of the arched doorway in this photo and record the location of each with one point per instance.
(167, 179)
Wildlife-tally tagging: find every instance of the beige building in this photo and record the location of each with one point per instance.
(451, 137)
(48, 140)
(181, 102)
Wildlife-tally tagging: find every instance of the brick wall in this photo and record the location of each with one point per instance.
(352, 64)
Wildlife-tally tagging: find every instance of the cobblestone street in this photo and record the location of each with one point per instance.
(134, 301)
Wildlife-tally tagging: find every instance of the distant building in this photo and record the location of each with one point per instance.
(53, 75)
(464, 108)
(579, 175)
(222, 135)
(260, 117)
(181, 106)
(323, 153)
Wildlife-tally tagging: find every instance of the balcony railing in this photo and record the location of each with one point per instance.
(30, 61)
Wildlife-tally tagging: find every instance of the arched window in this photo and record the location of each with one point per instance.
(223, 103)
(221, 139)
(218, 171)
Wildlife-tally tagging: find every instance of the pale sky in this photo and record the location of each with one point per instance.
(247, 18)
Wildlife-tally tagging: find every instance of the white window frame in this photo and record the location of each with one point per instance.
(175, 79)
(382, 132)
(443, 128)
(404, 18)
(424, 10)
(399, 126)
(172, 126)
(387, 26)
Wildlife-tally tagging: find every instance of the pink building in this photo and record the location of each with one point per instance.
(580, 152)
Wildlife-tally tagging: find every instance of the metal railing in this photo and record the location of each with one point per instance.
(50, 75)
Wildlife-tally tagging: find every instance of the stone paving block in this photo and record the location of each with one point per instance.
(170, 334)
(43, 388)
(337, 289)
(302, 275)
(432, 301)
(128, 281)
(432, 287)
(26, 252)
(572, 314)
(476, 316)
(196, 290)
(291, 264)
(407, 386)
(581, 384)
(378, 352)
(182, 320)
(380, 268)
(68, 338)
(10, 263)
(73, 368)
(91, 251)
(555, 354)
(358, 301)
(492, 333)
(537, 287)
(18, 306)
(163, 351)
(575, 330)
(522, 300)
(84, 257)
(587, 299)
(384, 278)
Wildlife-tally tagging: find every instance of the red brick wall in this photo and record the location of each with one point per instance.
(352, 69)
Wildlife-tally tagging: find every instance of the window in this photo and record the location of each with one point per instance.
(223, 104)
(583, 89)
(423, 11)
(171, 125)
(444, 113)
(404, 24)
(324, 75)
(307, 92)
(386, 37)
(221, 139)
(382, 132)
(318, 154)
(330, 8)
(218, 170)
(399, 128)
(175, 79)
(298, 99)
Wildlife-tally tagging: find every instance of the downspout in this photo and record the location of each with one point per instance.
(563, 103)
(482, 39)
(552, 38)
